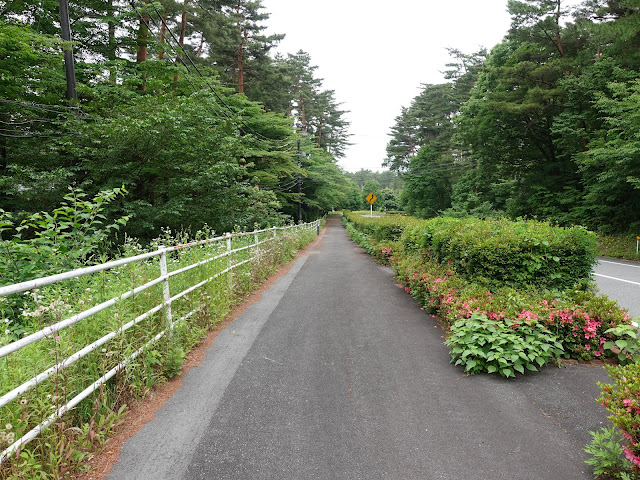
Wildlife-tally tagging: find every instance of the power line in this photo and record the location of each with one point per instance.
(441, 168)
(437, 166)
(48, 108)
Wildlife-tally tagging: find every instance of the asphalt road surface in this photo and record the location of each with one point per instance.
(620, 280)
(336, 374)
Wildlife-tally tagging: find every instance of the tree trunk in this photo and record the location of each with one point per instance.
(163, 37)
(558, 40)
(111, 46)
(303, 114)
(240, 70)
(245, 36)
(4, 155)
(143, 34)
(199, 52)
(183, 30)
(319, 140)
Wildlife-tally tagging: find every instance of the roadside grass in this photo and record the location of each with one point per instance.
(618, 246)
(63, 447)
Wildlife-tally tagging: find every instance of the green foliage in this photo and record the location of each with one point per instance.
(47, 243)
(579, 320)
(425, 195)
(542, 126)
(483, 345)
(503, 253)
(627, 345)
(388, 227)
(189, 150)
(22, 50)
(611, 166)
(606, 453)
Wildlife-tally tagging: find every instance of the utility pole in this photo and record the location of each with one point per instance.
(299, 186)
(65, 27)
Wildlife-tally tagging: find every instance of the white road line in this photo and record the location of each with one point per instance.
(614, 278)
(618, 263)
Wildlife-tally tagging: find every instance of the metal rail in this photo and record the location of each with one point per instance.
(164, 306)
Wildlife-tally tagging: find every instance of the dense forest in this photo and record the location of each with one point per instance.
(182, 103)
(545, 124)
(187, 106)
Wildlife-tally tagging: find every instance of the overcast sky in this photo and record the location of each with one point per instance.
(375, 55)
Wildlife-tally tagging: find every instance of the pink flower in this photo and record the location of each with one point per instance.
(628, 403)
(629, 437)
(631, 457)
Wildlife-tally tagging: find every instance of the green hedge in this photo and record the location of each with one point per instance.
(500, 252)
(389, 227)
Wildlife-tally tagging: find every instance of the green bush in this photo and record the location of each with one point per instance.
(499, 252)
(585, 325)
(389, 227)
(607, 454)
(480, 344)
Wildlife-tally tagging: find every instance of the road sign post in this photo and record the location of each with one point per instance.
(371, 198)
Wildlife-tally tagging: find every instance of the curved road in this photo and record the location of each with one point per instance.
(336, 374)
(620, 280)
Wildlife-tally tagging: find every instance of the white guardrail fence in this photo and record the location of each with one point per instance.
(256, 246)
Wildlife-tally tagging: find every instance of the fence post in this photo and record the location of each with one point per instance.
(256, 237)
(228, 235)
(166, 294)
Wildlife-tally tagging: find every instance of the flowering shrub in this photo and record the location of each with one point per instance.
(586, 326)
(622, 400)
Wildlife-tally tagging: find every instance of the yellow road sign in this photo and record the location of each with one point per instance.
(371, 198)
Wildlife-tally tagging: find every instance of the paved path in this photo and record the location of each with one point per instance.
(336, 374)
(620, 280)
